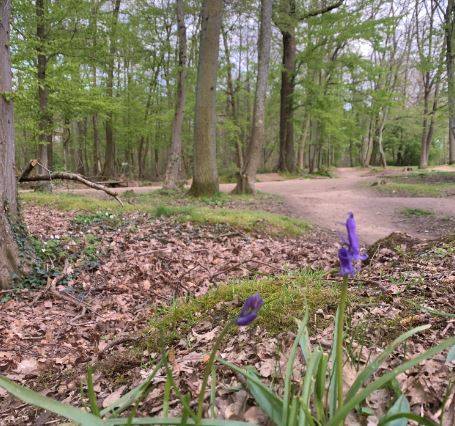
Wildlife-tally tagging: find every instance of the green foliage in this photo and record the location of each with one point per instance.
(412, 212)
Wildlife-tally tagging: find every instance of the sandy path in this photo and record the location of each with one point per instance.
(325, 202)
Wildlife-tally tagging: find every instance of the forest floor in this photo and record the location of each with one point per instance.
(167, 271)
(381, 205)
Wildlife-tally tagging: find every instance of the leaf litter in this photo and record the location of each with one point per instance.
(120, 271)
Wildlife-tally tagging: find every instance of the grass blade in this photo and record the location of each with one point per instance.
(91, 393)
(371, 368)
(34, 398)
(341, 413)
(388, 420)
(129, 398)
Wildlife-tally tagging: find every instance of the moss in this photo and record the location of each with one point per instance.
(205, 210)
(410, 212)
(416, 189)
(285, 299)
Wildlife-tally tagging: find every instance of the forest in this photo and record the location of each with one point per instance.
(225, 212)
(110, 88)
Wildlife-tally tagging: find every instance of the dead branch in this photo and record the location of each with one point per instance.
(64, 176)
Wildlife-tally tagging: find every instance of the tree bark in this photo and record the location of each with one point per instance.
(45, 118)
(175, 155)
(205, 172)
(450, 65)
(9, 265)
(247, 178)
(232, 101)
(96, 141)
(109, 158)
(287, 156)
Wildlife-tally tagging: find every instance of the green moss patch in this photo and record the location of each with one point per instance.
(285, 298)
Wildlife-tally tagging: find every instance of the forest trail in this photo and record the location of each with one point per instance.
(325, 202)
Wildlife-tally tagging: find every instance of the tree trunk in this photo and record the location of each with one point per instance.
(205, 173)
(286, 159)
(450, 65)
(45, 118)
(96, 141)
(175, 155)
(9, 265)
(247, 177)
(232, 102)
(109, 158)
(302, 144)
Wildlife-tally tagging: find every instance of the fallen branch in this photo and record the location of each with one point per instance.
(64, 176)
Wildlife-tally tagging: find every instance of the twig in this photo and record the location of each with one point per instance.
(118, 341)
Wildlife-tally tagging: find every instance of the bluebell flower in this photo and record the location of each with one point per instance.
(346, 265)
(250, 310)
(354, 245)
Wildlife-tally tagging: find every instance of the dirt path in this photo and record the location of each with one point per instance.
(326, 201)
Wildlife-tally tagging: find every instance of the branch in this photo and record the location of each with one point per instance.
(321, 11)
(64, 176)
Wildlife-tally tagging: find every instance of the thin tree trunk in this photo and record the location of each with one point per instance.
(109, 158)
(286, 158)
(9, 264)
(45, 118)
(450, 65)
(302, 144)
(175, 156)
(247, 178)
(205, 173)
(232, 101)
(96, 141)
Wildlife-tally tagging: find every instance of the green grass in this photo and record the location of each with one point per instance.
(284, 298)
(410, 212)
(184, 209)
(417, 189)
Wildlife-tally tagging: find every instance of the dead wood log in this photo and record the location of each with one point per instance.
(64, 176)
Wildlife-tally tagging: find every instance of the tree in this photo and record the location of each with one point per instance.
(8, 205)
(45, 116)
(449, 19)
(205, 173)
(247, 176)
(175, 155)
(109, 158)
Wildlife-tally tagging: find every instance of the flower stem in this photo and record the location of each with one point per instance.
(339, 342)
(208, 370)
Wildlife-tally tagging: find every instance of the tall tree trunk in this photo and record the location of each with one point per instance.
(175, 155)
(96, 141)
(424, 147)
(450, 65)
(286, 159)
(247, 177)
(109, 158)
(205, 172)
(9, 264)
(232, 101)
(45, 118)
(302, 144)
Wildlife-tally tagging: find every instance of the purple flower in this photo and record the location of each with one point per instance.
(354, 245)
(250, 310)
(346, 266)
